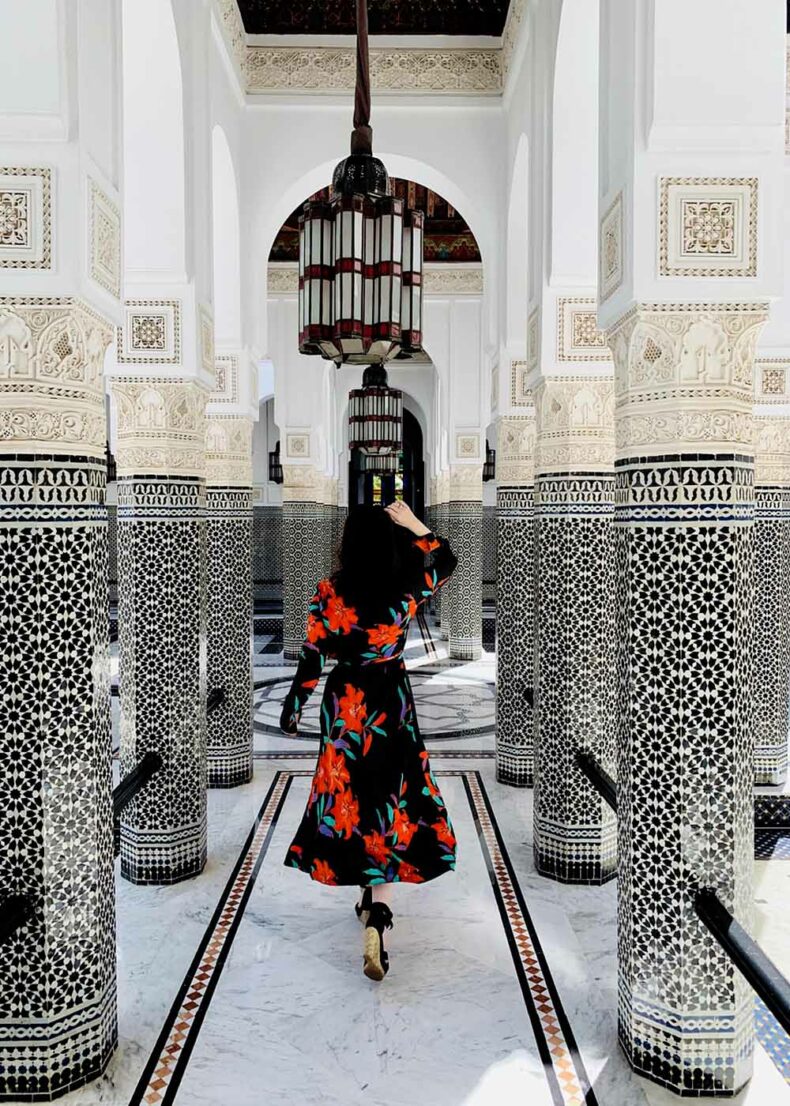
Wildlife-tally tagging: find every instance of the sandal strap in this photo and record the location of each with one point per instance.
(380, 916)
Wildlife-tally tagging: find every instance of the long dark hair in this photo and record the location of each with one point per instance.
(376, 559)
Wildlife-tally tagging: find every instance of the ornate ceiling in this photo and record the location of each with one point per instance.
(447, 235)
(386, 17)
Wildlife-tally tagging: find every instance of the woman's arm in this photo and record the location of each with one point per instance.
(438, 559)
(309, 667)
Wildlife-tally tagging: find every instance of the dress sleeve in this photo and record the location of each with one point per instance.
(309, 666)
(438, 565)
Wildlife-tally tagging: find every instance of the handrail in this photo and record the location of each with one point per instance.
(758, 970)
(137, 778)
(15, 911)
(215, 698)
(598, 777)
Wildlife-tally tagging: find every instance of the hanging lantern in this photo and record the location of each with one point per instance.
(275, 465)
(360, 254)
(380, 464)
(375, 416)
(489, 465)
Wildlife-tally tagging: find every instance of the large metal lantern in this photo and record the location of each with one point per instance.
(360, 253)
(375, 419)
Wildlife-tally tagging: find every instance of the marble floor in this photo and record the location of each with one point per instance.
(245, 987)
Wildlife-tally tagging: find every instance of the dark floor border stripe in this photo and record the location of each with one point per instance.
(435, 754)
(178, 1055)
(548, 981)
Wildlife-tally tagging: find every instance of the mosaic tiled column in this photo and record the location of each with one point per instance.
(575, 831)
(162, 623)
(443, 524)
(685, 735)
(303, 554)
(514, 600)
(229, 599)
(58, 1023)
(463, 595)
(771, 544)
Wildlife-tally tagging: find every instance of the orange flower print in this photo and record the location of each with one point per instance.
(401, 826)
(431, 787)
(315, 629)
(407, 873)
(412, 609)
(353, 710)
(426, 544)
(332, 774)
(376, 847)
(386, 633)
(323, 873)
(339, 616)
(444, 833)
(325, 589)
(346, 813)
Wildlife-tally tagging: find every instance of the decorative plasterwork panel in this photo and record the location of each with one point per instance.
(104, 245)
(684, 377)
(708, 226)
(772, 379)
(611, 251)
(226, 379)
(235, 35)
(301, 482)
(520, 395)
(333, 69)
(206, 324)
(452, 280)
(494, 387)
(515, 460)
(51, 390)
(771, 451)
(575, 424)
(578, 336)
(465, 482)
(228, 452)
(25, 218)
(297, 445)
(515, 18)
(467, 446)
(151, 333)
(533, 339)
(283, 279)
(161, 427)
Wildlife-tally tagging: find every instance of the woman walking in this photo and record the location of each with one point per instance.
(375, 815)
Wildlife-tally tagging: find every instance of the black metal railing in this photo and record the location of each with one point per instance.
(15, 911)
(598, 777)
(215, 698)
(757, 969)
(129, 787)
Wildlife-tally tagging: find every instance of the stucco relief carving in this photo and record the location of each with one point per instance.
(465, 482)
(228, 452)
(611, 249)
(206, 327)
(520, 395)
(771, 451)
(516, 438)
(533, 339)
(226, 379)
(578, 336)
(51, 391)
(25, 217)
(104, 245)
(235, 35)
(332, 69)
(707, 226)
(575, 424)
(684, 376)
(151, 333)
(301, 482)
(161, 427)
(771, 380)
(453, 280)
(467, 446)
(515, 18)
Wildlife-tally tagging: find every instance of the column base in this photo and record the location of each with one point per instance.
(163, 857)
(578, 855)
(41, 1061)
(229, 771)
(513, 768)
(462, 649)
(769, 771)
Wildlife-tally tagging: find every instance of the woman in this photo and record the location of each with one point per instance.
(375, 815)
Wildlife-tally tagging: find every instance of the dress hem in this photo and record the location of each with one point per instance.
(359, 882)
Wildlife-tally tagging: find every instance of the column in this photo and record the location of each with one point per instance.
(685, 737)
(302, 529)
(514, 600)
(58, 1023)
(229, 599)
(443, 523)
(575, 831)
(464, 592)
(162, 622)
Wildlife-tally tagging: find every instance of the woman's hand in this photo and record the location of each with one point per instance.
(402, 515)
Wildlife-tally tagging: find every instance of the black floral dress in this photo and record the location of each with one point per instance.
(375, 813)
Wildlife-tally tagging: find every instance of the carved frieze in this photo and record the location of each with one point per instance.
(520, 395)
(611, 249)
(161, 427)
(575, 424)
(465, 482)
(104, 245)
(515, 458)
(25, 217)
(578, 336)
(771, 451)
(228, 452)
(707, 226)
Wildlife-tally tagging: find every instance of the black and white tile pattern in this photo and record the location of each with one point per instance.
(162, 637)
(575, 672)
(304, 548)
(58, 1024)
(771, 543)
(229, 634)
(267, 551)
(515, 636)
(463, 594)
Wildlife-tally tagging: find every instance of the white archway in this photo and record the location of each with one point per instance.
(517, 285)
(226, 243)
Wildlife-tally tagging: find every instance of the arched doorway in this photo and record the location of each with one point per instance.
(407, 484)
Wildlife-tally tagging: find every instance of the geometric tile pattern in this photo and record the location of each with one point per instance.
(267, 551)
(515, 631)
(463, 592)
(771, 844)
(489, 554)
(685, 801)
(162, 650)
(575, 674)
(771, 673)
(304, 548)
(229, 634)
(772, 1037)
(58, 1024)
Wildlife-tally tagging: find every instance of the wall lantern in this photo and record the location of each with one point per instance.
(360, 253)
(375, 419)
(275, 465)
(489, 465)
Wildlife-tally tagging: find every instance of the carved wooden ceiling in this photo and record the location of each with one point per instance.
(386, 17)
(447, 235)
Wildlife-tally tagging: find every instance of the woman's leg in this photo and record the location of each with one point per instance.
(382, 892)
